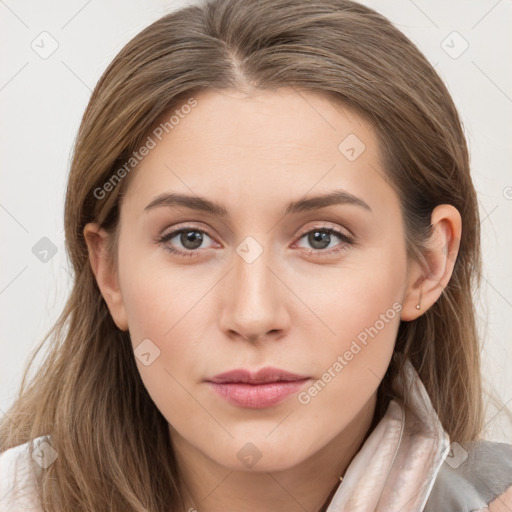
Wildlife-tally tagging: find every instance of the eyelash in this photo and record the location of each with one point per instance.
(346, 241)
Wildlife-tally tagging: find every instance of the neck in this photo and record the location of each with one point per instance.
(309, 485)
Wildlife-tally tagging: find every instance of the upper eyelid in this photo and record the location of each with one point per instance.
(326, 227)
(190, 227)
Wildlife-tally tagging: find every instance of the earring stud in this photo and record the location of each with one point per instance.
(419, 301)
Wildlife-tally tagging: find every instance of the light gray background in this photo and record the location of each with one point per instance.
(42, 101)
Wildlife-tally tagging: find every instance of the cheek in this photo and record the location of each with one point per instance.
(157, 294)
(158, 311)
(162, 305)
(361, 299)
(363, 316)
(156, 319)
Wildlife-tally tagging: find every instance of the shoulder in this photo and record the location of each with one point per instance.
(474, 479)
(19, 467)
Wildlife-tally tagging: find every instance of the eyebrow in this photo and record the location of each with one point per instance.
(306, 204)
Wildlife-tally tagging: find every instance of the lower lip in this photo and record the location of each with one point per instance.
(257, 396)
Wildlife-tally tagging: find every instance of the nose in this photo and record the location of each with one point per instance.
(254, 306)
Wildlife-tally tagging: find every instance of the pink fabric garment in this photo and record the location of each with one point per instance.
(396, 467)
(408, 464)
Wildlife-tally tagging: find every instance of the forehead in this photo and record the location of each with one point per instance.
(276, 117)
(271, 142)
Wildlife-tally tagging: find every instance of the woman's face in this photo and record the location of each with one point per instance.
(259, 280)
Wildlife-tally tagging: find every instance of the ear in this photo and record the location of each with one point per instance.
(427, 281)
(106, 276)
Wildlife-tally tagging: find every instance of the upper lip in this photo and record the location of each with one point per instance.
(262, 376)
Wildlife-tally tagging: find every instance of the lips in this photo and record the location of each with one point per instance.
(265, 388)
(263, 376)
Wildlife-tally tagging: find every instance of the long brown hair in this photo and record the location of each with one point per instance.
(113, 443)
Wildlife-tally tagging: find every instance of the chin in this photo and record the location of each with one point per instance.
(260, 455)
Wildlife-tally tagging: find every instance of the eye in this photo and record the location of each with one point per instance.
(320, 239)
(189, 237)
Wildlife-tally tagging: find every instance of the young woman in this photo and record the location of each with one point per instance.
(275, 240)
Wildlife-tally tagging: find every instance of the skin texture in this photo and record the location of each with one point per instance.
(214, 312)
